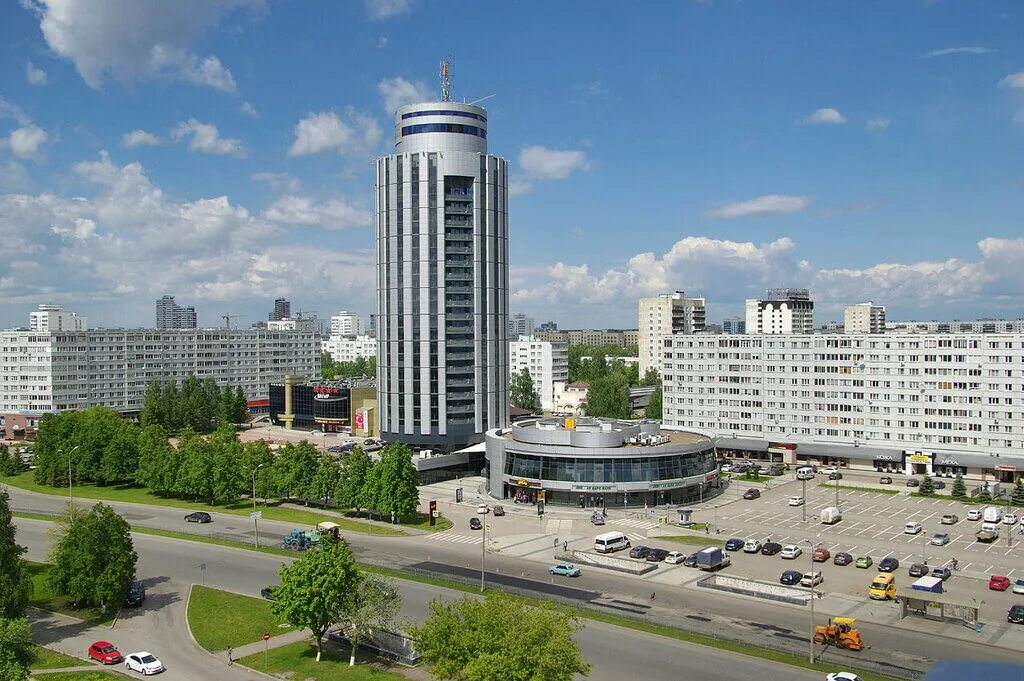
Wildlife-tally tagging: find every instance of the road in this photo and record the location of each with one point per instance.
(169, 566)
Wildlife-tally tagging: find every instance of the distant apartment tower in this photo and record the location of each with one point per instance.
(546, 362)
(282, 310)
(783, 310)
(346, 323)
(864, 318)
(170, 315)
(520, 325)
(734, 325)
(55, 318)
(661, 315)
(548, 326)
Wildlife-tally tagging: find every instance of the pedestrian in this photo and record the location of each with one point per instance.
(707, 529)
(231, 656)
(565, 546)
(652, 597)
(556, 543)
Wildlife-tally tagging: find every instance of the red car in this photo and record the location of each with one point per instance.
(820, 555)
(998, 582)
(101, 651)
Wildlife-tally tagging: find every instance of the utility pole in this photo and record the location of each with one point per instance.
(71, 496)
(483, 555)
(803, 506)
(813, 545)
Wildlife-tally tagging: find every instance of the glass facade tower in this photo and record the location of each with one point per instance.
(442, 279)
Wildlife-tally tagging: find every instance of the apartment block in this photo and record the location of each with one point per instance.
(864, 318)
(348, 349)
(547, 362)
(665, 314)
(783, 310)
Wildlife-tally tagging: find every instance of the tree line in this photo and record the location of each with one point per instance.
(198, 405)
(357, 368)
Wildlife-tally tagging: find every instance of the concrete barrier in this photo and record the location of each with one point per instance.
(627, 565)
(752, 587)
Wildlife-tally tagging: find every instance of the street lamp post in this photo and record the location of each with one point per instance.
(71, 496)
(837, 489)
(254, 486)
(803, 506)
(483, 556)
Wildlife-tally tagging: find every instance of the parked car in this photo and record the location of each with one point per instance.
(790, 552)
(919, 570)
(764, 470)
(752, 494)
(888, 564)
(790, 577)
(998, 582)
(566, 569)
(1016, 614)
(885, 480)
(974, 514)
(938, 484)
(771, 548)
(949, 519)
(796, 501)
(656, 555)
(639, 551)
(940, 539)
(1009, 519)
(675, 557)
(828, 470)
(812, 579)
(864, 561)
(691, 560)
(267, 592)
(104, 653)
(913, 482)
(820, 554)
(475, 524)
(835, 476)
(498, 510)
(734, 544)
(199, 517)
(136, 594)
(483, 508)
(942, 572)
(751, 546)
(843, 676)
(726, 468)
(1018, 586)
(144, 662)
(842, 558)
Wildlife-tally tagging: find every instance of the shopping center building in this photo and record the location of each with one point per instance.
(595, 463)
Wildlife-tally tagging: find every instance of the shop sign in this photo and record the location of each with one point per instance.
(323, 392)
(920, 458)
(593, 488)
(948, 462)
(883, 457)
(523, 482)
(360, 420)
(1009, 469)
(665, 484)
(710, 476)
(781, 445)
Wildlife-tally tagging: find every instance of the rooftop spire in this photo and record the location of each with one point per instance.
(445, 84)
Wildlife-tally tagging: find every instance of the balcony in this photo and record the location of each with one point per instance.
(460, 317)
(459, 195)
(458, 208)
(458, 276)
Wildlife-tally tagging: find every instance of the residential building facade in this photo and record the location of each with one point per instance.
(546, 361)
(170, 315)
(520, 325)
(864, 318)
(346, 323)
(348, 349)
(783, 310)
(287, 324)
(282, 310)
(55, 318)
(734, 325)
(665, 314)
(956, 326)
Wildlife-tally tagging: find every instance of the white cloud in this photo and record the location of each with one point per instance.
(877, 124)
(827, 116)
(278, 181)
(206, 139)
(139, 138)
(326, 131)
(382, 41)
(551, 164)
(519, 187)
(248, 109)
(1014, 80)
(131, 40)
(26, 142)
(769, 204)
(382, 9)
(945, 51)
(14, 177)
(34, 75)
(335, 214)
(8, 110)
(397, 92)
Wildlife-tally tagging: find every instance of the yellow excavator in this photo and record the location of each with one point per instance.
(841, 632)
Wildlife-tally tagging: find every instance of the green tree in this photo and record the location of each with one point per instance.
(373, 605)
(226, 467)
(120, 457)
(195, 471)
(927, 486)
(10, 461)
(93, 560)
(294, 467)
(500, 638)
(984, 494)
(256, 456)
(15, 649)
(239, 406)
(152, 405)
(521, 391)
(354, 470)
(959, 490)
(15, 582)
(609, 397)
(325, 480)
(314, 587)
(651, 377)
(1018, 493)
(394, 479)
(653, 408)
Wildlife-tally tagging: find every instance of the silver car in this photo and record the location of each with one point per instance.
(940, 539)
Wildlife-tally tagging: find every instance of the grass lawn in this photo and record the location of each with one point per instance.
(746, 477)
(44, 598)
(97, 675)
(691, 539)
(857, 488)
(44, 658)
(220, 619)
(298, 661)
(142, 495)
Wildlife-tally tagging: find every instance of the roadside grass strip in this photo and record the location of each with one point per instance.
(858, 488)
(44, 658)
(298, 661)
(97, 675)
(44, 598)
(220, 619)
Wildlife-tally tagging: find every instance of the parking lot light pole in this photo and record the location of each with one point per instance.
(71, 496)
(837, 489)
(254, 486)
(483, 556)
(803, 506)
(813, 544)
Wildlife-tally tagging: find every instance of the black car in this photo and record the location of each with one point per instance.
(734, 544)
(885, 480)
(790, 577)
(889, 564)
(267, 592)
(475, 524)
(919, 570)
(498, 510)
(656, 555)
(836, 475)
(136, 594)
(199, 517)
(691, 560)
(842, 558)
(1016, 614)
(639, 551)
(752, 494)
(913, 482)
(938, 484)
(771, 548)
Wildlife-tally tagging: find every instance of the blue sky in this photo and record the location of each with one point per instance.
(220, 150)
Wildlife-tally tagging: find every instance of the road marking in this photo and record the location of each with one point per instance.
(967, 566)
(866, 529)
(852, 549)
(455, 538)
(1012, 570)
(638, 537)
(958, 538)
(639, 524)
(921, 500)
(909, 556)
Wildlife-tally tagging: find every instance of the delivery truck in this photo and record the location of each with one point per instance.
(712, 558)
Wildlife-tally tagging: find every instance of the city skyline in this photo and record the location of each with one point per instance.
(222, 156)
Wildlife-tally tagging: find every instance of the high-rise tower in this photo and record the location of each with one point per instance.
(442, 279)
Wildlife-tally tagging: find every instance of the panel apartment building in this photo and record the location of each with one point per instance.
(57, 371)
(546, 361)
(936, 403)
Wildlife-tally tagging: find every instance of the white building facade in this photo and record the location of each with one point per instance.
(665, 314)
(787, 310)
(344, 349)
(346, 324)
(57, 371)
(864, 318)
(937, 403)
(546, 361)
(55, 318)
(973, 326)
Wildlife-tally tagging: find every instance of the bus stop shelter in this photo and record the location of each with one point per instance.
(938, 607)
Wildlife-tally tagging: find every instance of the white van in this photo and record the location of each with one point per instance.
(610, 541)
(912, 528)
(805, 473)
(831, 515)
(992, 515)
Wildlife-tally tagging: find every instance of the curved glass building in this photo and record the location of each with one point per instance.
(442, 279)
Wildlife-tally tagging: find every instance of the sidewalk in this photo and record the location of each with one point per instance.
(259, 646)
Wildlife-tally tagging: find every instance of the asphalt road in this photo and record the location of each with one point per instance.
(168, 566)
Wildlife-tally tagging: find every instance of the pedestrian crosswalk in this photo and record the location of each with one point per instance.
(454, 538)
(634, 537)
(638, 524)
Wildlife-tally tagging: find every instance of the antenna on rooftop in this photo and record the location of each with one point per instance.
(446, 94)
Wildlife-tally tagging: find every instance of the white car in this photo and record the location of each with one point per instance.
(796, 501)
(726, 468)
(828, 470)
(1010, 519)
(843, 676)
(790, 551)
(144, 662)
(974, 514)
(1018, 586)
(482, 508)
(675, 557)
(812, 579)
(751, 546)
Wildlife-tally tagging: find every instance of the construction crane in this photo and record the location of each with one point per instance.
(227, 317)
